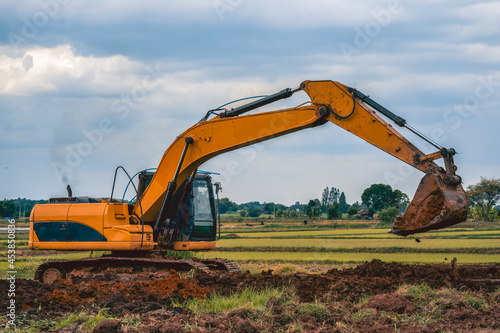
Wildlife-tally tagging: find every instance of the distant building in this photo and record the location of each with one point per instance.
(365, 214)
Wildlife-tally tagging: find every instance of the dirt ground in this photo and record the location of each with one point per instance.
(367, 298)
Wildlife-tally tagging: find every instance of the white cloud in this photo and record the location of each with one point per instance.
(476, 16)
(59, 70)
(437, 50)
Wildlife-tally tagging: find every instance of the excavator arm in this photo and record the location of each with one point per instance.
(440, 201)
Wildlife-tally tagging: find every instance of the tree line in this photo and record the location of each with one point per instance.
(18, 207)
(378, 199)
(483, 198)
(333, 203)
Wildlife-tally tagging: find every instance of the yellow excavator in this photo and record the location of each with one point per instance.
(175, 206)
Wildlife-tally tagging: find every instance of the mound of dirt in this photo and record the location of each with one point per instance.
(122, 297)
(232, 236)
(370, 278)
(108, 326)
(390, 303)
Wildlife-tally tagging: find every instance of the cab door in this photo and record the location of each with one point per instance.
(203, 210)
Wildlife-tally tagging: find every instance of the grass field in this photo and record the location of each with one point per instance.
(350, 257)
(367, 243)
(369, 233)
(468, 245)
(317, 244)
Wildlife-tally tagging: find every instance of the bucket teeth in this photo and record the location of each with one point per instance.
(434, 206)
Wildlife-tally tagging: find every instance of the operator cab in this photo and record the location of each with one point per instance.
(204, 217)
(192, 217)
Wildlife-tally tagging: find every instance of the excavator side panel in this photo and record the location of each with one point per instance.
(87, 226)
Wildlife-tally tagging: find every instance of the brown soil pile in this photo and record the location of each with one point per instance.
(370, 278)
(152, 298)
(67, 296)
(172, 286)
(232, 236)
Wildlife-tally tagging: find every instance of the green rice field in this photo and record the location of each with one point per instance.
(468, 245)
(356, 243)
(321, 246)
(371, 233)
(350, 257)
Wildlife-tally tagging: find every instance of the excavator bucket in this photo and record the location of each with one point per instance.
(434, 206)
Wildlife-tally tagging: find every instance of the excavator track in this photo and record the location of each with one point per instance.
(105, 268)
(217, 264)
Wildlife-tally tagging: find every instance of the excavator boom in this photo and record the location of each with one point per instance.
(440, 201)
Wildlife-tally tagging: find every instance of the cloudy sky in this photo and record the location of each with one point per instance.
(85, 87)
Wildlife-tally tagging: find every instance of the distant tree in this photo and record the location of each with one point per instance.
(475, 213)
(333, 196)
(280, 207)
(493, 215)
(343, 206)
(333, 211)
(379, 196)
(310, 204)
(313, 208)
(7, 208)
(254, 212)
(472, 212)
(243, 213)
(357, 206)
(324, 197)
(402, 201)
(297, 205)
(269, 208)
(293, 213)
(226, 205)
(25, 206)
(251, 204)
(352, 210)
(484, 196)
(387, 216)
(316, 212)
(279, 213)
